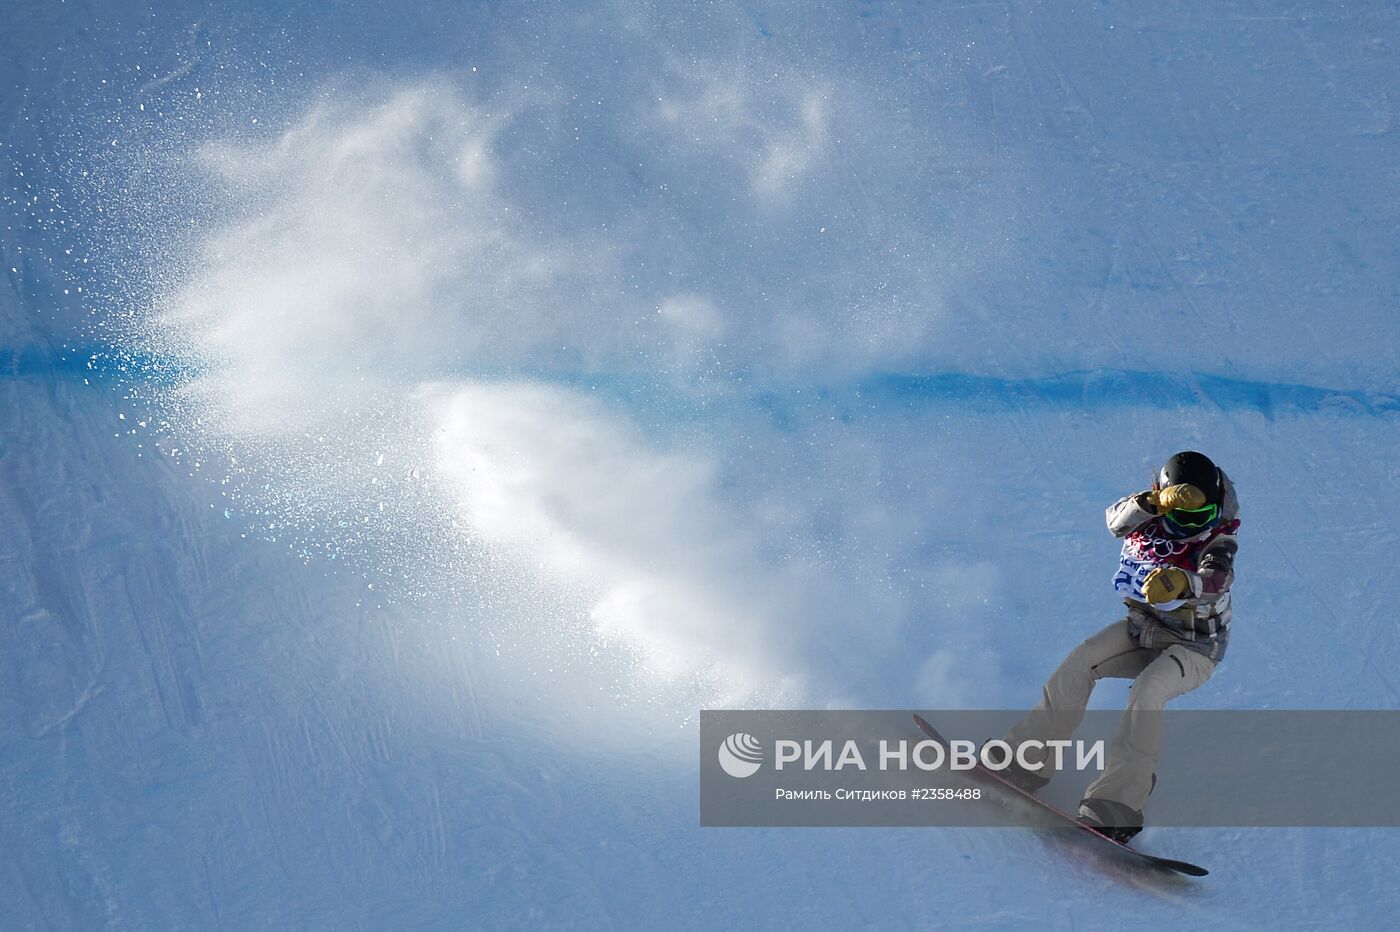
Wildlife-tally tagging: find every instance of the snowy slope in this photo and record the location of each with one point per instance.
(413, 418)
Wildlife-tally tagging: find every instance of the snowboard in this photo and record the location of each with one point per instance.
(1181, 867)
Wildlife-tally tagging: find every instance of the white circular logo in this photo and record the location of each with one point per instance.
(740, 755)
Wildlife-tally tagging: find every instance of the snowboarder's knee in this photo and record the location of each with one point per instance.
(1147, 697)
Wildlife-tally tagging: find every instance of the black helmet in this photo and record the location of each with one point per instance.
(1196, 469)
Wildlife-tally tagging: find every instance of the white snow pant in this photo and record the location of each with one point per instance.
(1158, 674)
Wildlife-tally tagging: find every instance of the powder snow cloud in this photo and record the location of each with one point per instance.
(382, 321)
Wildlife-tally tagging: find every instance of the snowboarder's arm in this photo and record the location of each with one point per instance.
(1216, 569)
(1130, 513)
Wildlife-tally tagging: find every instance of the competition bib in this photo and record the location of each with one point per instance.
(1141, 555)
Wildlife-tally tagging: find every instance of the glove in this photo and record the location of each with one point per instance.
(1181, 495)
(1164, 584)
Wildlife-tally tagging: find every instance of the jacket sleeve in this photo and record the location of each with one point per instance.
(1216, 569)
(1128, 514)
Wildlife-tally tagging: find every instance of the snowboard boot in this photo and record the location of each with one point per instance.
(1115, 820)
(1029, 780)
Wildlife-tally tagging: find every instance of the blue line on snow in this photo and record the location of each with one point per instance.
(1099, 388)
(1087, 389)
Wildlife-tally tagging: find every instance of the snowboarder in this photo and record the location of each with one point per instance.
(1174, 573)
